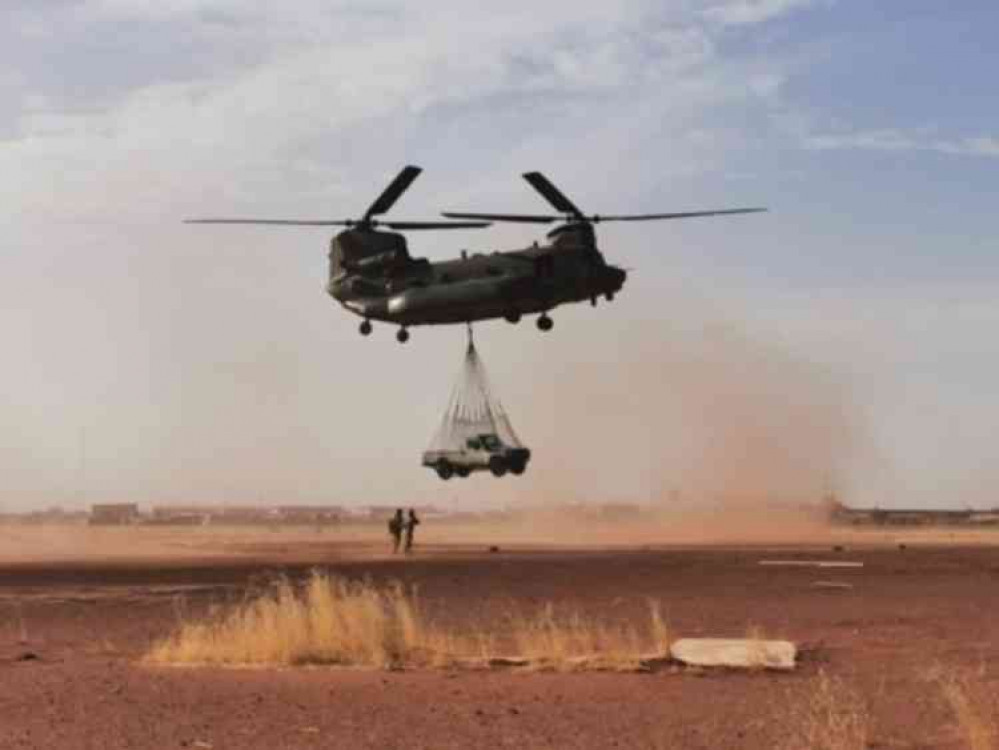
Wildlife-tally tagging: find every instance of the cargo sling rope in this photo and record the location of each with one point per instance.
(473, 409)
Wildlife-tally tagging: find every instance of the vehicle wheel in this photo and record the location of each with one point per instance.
(497, 466)
(512, 317)
(545, 323)
(402, 335)
(518, 469)
(462, 472)
(365, 328)
(609, 296)
(444, 470)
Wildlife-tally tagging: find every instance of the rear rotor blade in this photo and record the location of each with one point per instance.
(391, 194)
(680, 215)
(277, 222)
(552, 194)
(521, 218)
(406, 225)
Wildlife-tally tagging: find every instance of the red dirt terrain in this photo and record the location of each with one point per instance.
(74, 630)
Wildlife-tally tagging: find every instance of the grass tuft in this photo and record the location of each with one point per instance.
(967, 700)
(830, 717)
(331, 620)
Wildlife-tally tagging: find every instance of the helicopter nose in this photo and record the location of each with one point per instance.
(616, 277)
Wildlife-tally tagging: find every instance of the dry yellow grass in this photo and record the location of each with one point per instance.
(334, 621)
(573, 641)
(968, 701)
(830, 717)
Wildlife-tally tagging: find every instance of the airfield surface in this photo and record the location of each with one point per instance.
(80, 607)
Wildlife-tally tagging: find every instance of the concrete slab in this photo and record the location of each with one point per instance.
(832, 585)
(735, 653)
(813, 563)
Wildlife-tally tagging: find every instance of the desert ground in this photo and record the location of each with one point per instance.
(906, 646)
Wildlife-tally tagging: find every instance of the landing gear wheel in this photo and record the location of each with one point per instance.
(365, 328)
(497, 466)
(512, 317)
(545, 323)
(462, 472)
(402, 335)
(444, 470)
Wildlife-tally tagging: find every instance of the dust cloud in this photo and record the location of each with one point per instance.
(690, 420)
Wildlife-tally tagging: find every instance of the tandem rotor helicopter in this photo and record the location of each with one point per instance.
(372, 274)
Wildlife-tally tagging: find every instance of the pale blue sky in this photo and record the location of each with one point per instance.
(846, 337)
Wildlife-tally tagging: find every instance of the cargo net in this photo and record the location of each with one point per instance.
(473, 409)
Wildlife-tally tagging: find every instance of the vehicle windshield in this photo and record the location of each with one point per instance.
(473, 444)
(490, 442)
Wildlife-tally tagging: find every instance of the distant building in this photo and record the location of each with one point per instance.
(308, 513)
(986, 518)
(377, 512)
(839, 513)
(113, 514)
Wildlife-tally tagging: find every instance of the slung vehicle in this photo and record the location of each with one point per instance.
(372, 274)
(478, 453)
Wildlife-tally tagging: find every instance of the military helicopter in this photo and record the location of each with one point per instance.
(372, 274)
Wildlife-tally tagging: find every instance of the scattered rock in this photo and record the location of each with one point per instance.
(814, 652)
(508, 661)
(494, 548)
(28, 656)
(652, 662)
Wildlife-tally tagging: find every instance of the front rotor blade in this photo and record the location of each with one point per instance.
(522, 218)
(391, 194)
(406, 225)
(276, 222)
(552, 194)
(680, 215)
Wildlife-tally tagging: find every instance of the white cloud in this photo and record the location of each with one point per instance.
(901, 140)
(751, 12)
(982, 146)
(615, 74)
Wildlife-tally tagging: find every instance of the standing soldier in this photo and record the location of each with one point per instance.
(411, 523)
(395, 526)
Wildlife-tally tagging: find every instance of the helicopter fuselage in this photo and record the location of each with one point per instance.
(373, 276)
